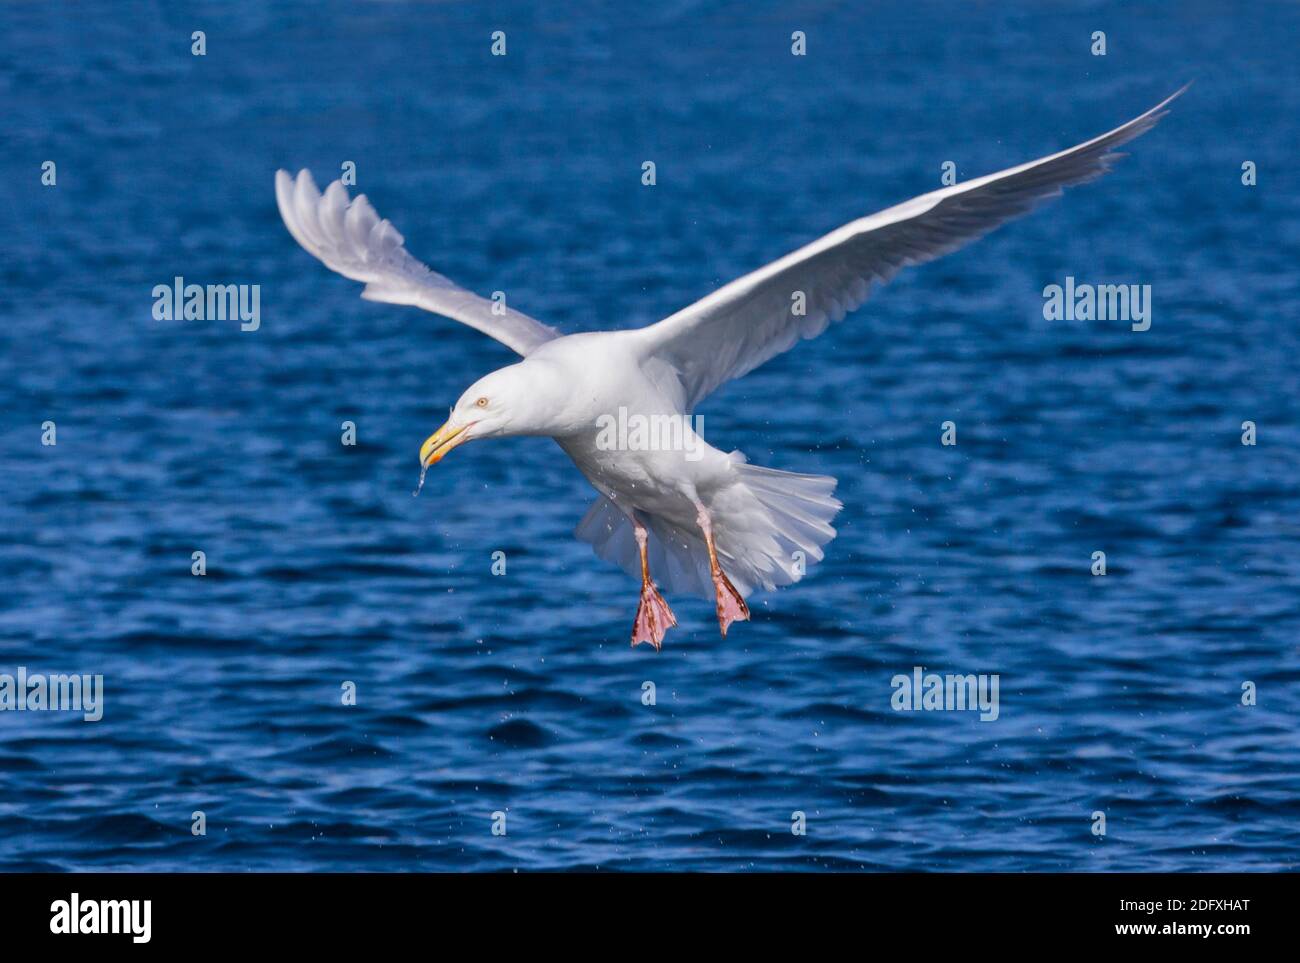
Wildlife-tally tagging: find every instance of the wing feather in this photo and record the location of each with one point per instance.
(350, 238)
(752, 319)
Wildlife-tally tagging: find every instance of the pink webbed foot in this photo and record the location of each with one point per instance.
(731, 607)
(653, 617)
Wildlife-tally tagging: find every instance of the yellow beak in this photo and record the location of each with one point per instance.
(437, 445)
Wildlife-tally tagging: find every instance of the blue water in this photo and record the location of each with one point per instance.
(518, 693)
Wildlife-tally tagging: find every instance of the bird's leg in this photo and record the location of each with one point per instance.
(731, 607)
(653, 616)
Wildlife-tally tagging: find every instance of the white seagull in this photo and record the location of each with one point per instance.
(703, 520)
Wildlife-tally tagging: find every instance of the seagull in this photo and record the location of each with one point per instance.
(705, 521)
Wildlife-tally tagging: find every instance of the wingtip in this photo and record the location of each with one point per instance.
(1144, 121)
(1172, 97)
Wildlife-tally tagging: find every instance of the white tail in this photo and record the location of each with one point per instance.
(769, 527)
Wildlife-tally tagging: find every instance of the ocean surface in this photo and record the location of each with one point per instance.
(517, 694)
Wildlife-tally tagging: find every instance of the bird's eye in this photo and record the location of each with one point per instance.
(482, 402)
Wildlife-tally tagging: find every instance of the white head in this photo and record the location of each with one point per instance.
(527, 398)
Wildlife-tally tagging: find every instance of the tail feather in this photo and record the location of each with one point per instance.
(769, 526)
(772, 525)
(802, 504)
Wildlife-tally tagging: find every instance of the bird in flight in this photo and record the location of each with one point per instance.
(703, 521)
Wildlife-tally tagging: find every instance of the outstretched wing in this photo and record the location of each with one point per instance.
(352, 240)
(745, 323)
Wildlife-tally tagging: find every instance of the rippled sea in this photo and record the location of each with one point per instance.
(518, 693)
